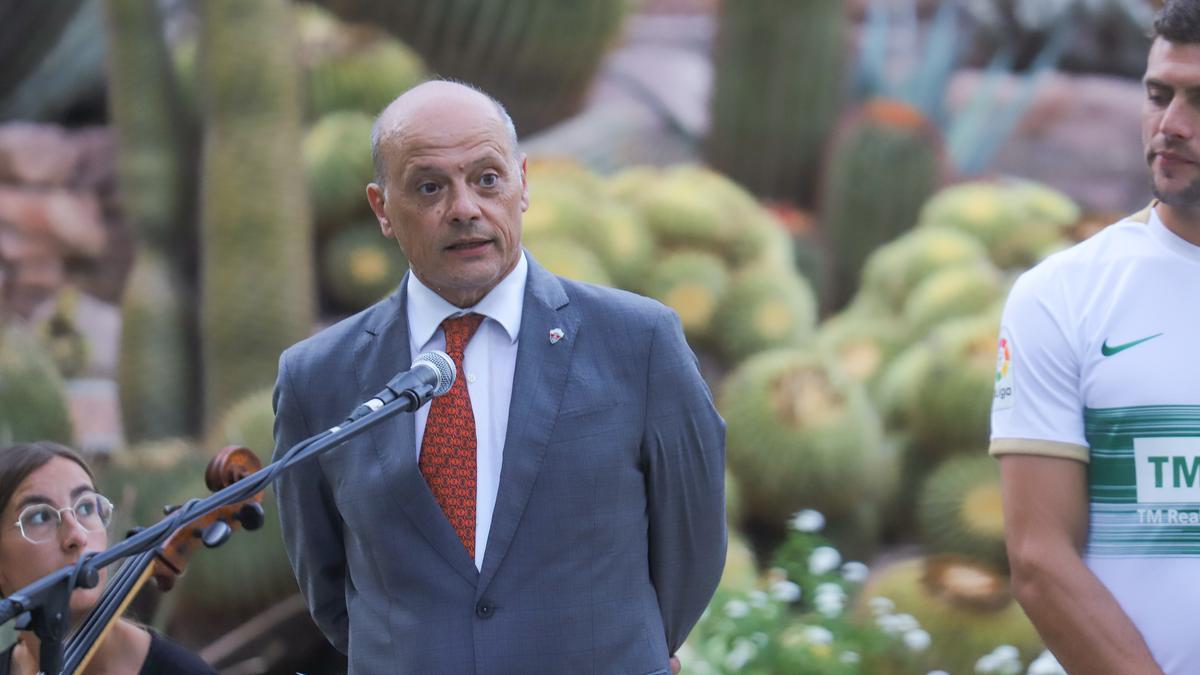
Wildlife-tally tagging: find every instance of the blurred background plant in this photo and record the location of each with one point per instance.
(834, 196)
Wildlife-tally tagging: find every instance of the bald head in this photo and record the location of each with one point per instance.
(460, 106)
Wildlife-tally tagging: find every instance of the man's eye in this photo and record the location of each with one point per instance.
(1158, 97)
(489, 180)
(427, 188)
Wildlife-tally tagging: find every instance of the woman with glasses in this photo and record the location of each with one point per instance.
(53, 514)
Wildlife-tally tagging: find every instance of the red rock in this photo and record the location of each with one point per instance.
(36, 154)
(73, 220)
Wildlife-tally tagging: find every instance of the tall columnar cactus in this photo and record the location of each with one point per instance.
(156, 369)
(777, 93)
(158, 359)
(150, 128)
(256, 229)
(536, 56)
(884, 164)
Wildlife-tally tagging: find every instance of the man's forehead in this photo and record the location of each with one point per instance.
(1176, 64)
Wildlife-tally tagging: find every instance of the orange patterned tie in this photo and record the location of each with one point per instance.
(448, 448)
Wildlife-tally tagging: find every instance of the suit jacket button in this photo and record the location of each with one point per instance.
(484, 609)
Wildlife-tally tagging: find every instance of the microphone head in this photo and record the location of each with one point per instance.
(441, 363)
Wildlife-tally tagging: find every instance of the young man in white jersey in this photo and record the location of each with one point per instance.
(1096, 415)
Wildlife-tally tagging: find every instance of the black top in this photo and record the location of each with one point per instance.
(164, 658)
(167, 658)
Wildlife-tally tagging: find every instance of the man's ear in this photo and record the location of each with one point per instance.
(524, 185)
(377, 200)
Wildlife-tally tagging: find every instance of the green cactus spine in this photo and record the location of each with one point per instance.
(256, 235)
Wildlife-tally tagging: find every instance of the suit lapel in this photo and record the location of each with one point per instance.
(383, 351)
(538, 384)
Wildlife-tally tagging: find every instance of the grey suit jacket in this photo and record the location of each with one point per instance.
(608, 536)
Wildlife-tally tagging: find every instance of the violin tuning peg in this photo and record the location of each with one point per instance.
(216, 534)
(251, 516)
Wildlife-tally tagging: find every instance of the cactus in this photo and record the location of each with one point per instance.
(966, 607)
(567, 258)
(536, 56)
(777, 92)
(960, 510)
(156, 367)
(801, 435)
(883, 165)
(360, 266)
(33, 400)
(764, 309)
(352, 67)
(337, 160)
(151, 130)
(939, 388)
(258, 290)
(692, 283)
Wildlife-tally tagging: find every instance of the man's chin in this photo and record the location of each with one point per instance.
(1187, 197)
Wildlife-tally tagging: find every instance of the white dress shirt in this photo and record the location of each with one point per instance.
(488, 365)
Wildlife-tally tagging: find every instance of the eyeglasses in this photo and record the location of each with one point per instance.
(39, 523)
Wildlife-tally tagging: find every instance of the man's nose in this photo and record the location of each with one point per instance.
(463, 205)
(1178, 120)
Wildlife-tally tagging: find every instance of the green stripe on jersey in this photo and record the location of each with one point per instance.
(1144, 480)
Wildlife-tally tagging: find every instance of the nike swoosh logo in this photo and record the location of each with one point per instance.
(1109, 351)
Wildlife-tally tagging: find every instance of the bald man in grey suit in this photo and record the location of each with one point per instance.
(598, 528)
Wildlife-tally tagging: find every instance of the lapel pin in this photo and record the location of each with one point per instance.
(556, 334)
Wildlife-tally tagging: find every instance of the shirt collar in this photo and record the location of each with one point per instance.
(1163, 234)
(503, 304)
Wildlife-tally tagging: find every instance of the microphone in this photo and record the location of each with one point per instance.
(432, 374)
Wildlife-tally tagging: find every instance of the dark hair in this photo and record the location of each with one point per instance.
(18, 461)
(1179, 22)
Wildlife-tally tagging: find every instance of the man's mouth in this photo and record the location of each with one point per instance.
(468, 245)
(1169, 157)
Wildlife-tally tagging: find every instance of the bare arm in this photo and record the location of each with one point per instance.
(1046, 522)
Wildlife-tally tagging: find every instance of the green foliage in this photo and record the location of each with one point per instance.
(257, 277)
(33, 405)
(799, 623)
(777, 93)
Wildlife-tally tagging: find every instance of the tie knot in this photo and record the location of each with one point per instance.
(459, 330)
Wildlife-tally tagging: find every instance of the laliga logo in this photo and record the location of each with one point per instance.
(1003, 359)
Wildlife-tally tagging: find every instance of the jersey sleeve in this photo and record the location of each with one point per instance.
(1037, 405)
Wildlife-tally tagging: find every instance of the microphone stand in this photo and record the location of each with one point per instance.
(46, 601)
